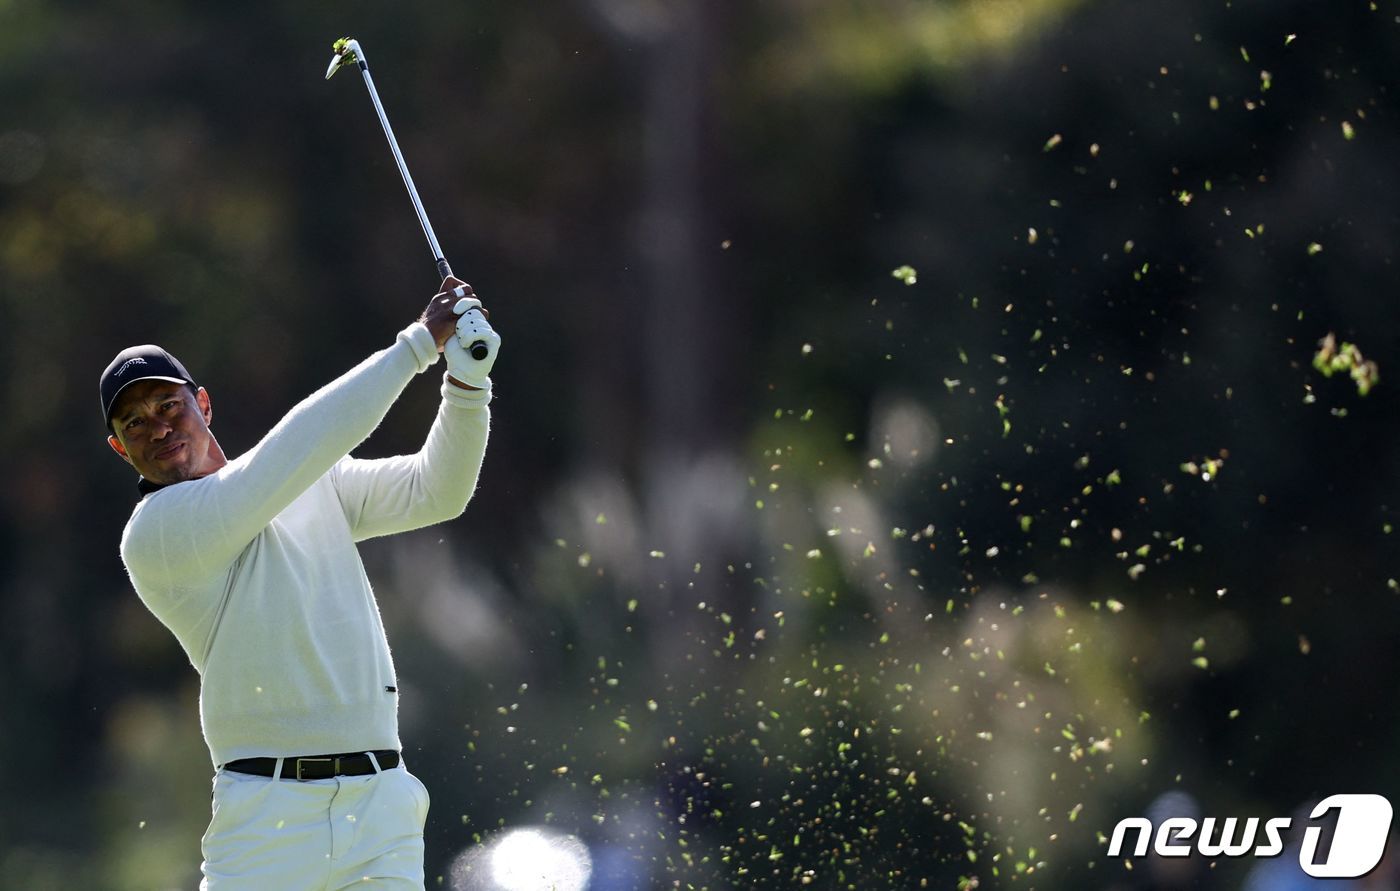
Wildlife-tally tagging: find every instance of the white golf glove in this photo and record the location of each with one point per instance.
(472, 328)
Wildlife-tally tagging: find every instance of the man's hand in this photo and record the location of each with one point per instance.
(463, 368)
(439, 317)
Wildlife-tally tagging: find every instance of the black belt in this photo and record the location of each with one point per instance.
(317, 767)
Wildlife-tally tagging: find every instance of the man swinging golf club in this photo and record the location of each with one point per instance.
(251, 563)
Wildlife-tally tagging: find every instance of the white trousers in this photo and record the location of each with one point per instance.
(363, 832)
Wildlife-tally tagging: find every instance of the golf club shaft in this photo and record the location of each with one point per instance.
(443, 269)
(345, 50)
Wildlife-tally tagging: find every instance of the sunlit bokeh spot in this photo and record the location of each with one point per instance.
(904, 432)
(528, 859)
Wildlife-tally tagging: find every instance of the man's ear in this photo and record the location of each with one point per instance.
(206, 408)
(118, 448)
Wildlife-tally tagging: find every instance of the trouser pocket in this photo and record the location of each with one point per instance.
(265, 833)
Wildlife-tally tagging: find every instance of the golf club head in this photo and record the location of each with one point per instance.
(347, 50)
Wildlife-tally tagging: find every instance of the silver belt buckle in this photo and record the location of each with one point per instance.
(334, 762)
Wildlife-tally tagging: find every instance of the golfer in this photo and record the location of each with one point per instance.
(251, 564)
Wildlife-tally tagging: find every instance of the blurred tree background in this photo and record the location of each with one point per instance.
(908, 458)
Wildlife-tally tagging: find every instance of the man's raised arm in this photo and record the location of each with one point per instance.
(388, 495)
(188, 531)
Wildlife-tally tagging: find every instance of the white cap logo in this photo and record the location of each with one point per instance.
(128, 363)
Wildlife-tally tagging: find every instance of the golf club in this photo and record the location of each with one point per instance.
(347, 49)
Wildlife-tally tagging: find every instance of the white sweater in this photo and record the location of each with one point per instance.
(255, 571)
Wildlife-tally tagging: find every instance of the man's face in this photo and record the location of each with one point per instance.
(162, 429)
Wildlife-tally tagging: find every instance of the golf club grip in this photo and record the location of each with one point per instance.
(444, 270)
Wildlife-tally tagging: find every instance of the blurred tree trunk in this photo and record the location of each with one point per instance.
(678, 349)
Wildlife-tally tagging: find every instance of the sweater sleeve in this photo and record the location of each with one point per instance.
(192, 530)
(389, 495)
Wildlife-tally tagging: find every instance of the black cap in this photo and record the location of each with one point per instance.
(139, 363)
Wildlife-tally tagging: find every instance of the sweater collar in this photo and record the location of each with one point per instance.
(146, 487)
